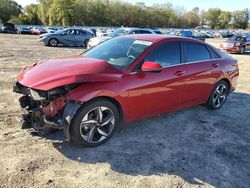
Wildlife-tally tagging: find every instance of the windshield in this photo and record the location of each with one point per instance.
(120, 52)
(117, 32)
(236, 38)
(61, 31)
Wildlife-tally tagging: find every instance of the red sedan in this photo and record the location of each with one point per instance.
(122, 80)
(236, 44)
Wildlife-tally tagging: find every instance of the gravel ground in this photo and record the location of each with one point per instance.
(194, 147)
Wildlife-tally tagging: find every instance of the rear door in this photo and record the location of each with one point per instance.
(152, 93)
(81, 36)
(204, 70)
(75, 37)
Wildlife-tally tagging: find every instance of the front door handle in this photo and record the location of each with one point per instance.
(180, 73)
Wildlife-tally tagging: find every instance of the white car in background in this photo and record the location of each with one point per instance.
(122, 31)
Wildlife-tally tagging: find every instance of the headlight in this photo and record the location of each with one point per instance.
(237, 44)
(35, 95)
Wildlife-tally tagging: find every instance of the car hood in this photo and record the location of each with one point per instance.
(100, 39)
(53, 73)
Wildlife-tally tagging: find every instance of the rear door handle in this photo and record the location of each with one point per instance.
(215, 64)
(179, 73)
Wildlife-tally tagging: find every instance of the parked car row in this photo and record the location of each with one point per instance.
(208, 33)
(238, 41)
(121, 31)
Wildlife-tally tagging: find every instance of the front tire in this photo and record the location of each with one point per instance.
(219, 95)
(53, 42)
(242, 50)
(85, 43)
(94, 123)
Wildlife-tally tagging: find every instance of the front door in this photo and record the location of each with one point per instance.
(152, 93)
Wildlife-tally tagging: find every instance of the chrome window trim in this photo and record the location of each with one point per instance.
(193, 62)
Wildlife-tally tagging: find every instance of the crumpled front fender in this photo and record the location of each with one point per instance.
(70, 110)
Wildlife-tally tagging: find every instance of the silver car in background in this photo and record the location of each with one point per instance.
(122, 31)
(67, 37)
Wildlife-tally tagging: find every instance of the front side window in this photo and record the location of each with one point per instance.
(117, 32)
(196, 52)
(167, 54)
(119, 52)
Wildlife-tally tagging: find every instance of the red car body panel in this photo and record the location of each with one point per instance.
(140, 94)
(56, 72)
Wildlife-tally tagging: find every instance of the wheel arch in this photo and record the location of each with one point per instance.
(53, 38)
(73, 107)
(115, 102)
(227, 81)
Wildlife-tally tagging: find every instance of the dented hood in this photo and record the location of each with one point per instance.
(53, 73)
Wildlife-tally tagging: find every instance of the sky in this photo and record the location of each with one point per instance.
(230, 5)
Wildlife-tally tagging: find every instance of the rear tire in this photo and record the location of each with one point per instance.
(94, 123)
(218, 96)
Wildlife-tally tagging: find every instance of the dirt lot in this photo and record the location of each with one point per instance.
(194, 147)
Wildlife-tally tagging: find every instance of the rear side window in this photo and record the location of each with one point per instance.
(214, 55)
(158, 32)
(145, 32)
(140, 32)
(196, 52)
(166, 54)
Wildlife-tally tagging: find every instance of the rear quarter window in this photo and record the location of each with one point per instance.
(196, 52)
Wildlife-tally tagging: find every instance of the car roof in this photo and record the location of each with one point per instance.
(157, 37)
(136, 28)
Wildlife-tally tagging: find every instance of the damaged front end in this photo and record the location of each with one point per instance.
(46, 111)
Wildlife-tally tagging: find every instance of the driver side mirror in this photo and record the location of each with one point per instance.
(150, 66)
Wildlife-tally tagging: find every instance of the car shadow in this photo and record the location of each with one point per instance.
(196, 144)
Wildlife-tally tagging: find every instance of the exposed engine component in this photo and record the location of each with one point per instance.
(43, 109)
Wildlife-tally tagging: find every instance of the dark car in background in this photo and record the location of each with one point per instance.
(236, 44)
(67, 37)
(24, 30)
(190, 34)
(9, 28)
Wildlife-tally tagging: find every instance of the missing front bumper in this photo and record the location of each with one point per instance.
(43, 118)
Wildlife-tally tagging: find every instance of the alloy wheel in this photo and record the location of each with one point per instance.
(220, 95)
(53, 42)
(97, 124)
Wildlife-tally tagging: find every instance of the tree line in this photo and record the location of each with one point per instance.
(118, 13)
